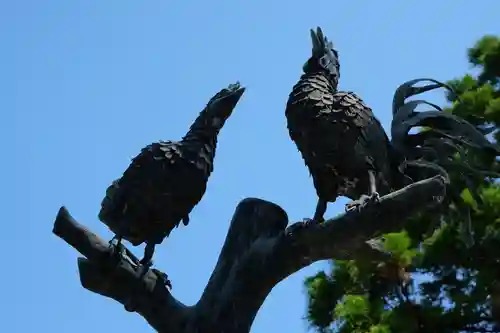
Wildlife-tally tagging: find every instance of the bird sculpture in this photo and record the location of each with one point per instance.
(349, 154)
(166, 181)
(342, 143)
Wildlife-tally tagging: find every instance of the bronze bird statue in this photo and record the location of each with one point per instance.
(348, 152)
(166, 181)
(342, 143)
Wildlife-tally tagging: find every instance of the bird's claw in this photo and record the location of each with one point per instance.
(362, 202)
(163, 276)
(118, 251)
(315, 220)
(306, 222)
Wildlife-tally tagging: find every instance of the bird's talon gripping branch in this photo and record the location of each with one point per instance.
(362, 202)
(300, 225)
(117, 249)
(315, 220)
(374, 197)
(163, 276)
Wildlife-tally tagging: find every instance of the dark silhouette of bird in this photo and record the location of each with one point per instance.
(166, 181)
(342, 143)
(348, 152)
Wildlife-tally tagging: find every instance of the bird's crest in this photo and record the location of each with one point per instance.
(324, 56)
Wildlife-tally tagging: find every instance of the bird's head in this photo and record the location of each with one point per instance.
(220, 107)
(324, 57)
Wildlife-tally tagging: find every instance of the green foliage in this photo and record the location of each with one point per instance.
(452, 286)
(399, 245)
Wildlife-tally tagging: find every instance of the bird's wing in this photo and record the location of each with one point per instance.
(309, 99)
(372, 141)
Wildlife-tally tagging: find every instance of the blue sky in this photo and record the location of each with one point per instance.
(85, 84)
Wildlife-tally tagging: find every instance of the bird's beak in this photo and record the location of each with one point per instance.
(233, 98)
(236, 95)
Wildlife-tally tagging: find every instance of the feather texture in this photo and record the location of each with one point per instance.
(168, 178)
(442, 148)
(344, 145)
(338, 136)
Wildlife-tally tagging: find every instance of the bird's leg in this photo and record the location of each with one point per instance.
(147, 261)
(373, 186)
(185, 220)
(319, 213)
(318, 217)
(372, 197)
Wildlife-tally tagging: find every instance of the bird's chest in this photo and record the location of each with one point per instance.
(309, 94)
(170, 172)
(330, 138)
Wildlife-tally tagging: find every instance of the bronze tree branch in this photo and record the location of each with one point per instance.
(258, 253)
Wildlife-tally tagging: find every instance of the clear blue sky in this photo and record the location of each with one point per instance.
(85, 84)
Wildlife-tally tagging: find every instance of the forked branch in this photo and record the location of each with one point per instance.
(258, 253)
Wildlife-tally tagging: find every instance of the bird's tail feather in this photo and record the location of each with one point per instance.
(442, 146)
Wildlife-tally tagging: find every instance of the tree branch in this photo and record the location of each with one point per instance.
(101, 273)
(258, 253)
(345, 236)
(253, 219)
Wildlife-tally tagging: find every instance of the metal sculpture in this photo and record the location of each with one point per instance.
(166, 181)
